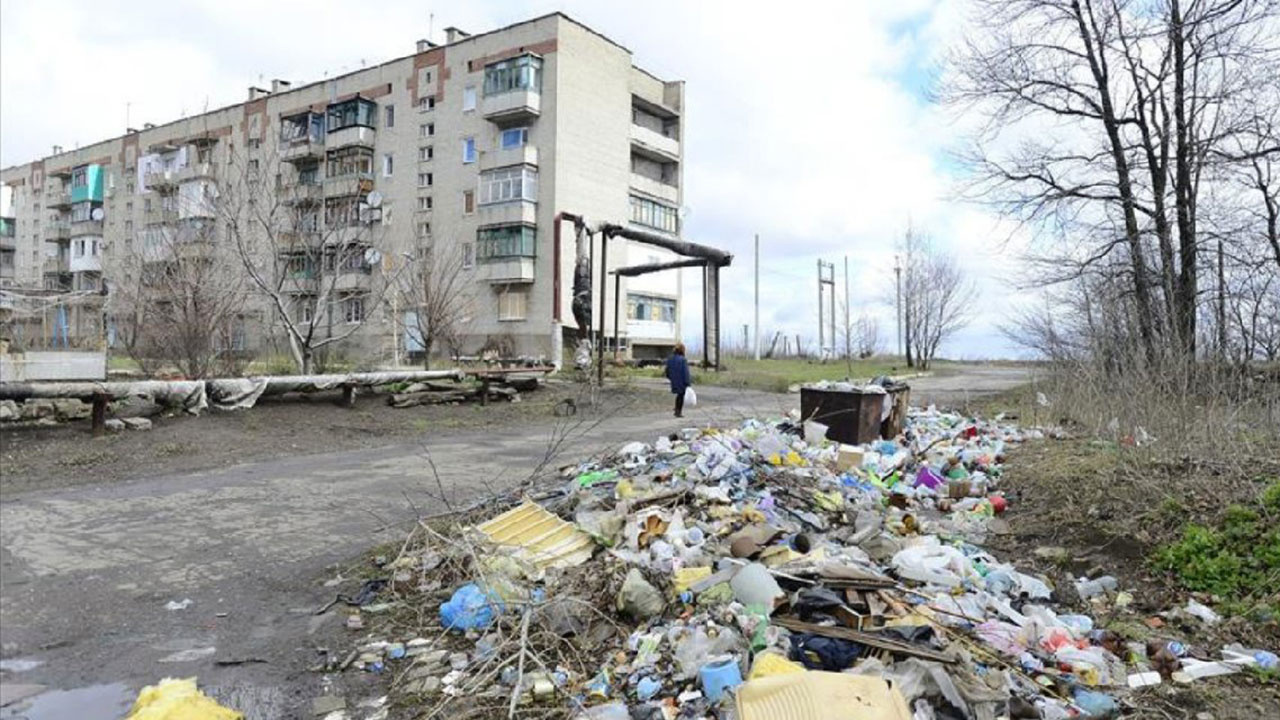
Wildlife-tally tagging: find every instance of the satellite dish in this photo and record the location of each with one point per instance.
(375, 199)
(97, 214)
(372, 257)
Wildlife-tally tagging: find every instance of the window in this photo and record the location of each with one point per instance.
(353, 308)
(300, 266)
(387, 165)
(468, 98)
(468, 150)
(427, 130)
(351, 113)
(253, 143)
(518, 73)
(342, 211)
(303, 127)
(427, 103)
(512, 303)
(389, 119)
(309, 175)
(424, 229)
(82, 212)
(500, 242)
(253, 167)
(79, 248)
(514, 138)
(426, 152)
(425, 179)
(350, 161)
(424, 203)
(468, 255)
(653, 214)
(79, 178)
(304, 308)
(650, 308)
(468, 201)
(508, 184)
(353, 259)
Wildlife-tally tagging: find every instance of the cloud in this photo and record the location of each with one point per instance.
(809, 127)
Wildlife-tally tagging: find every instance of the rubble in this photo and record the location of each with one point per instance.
(746, 572)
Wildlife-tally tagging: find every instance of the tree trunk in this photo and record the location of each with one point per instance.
(1184, 194)
(426, 351)
(1142, 293)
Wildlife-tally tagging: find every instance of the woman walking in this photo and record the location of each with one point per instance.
(678, 373)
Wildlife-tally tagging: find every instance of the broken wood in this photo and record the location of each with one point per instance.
(879, 642)
(430, 397)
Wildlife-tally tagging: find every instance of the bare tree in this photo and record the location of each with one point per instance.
(435, 299)
(866, 336)
(313, 247)
(936, 298)
(178, 297)
(1104, 119)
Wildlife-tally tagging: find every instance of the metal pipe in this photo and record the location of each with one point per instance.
(617, 293)
(604, 291)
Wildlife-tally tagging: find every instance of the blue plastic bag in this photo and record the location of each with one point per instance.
(470, 608)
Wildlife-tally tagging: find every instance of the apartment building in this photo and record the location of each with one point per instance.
(474, 147)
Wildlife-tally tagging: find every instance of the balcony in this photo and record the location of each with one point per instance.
(357, 135)
(303, 193)
(505, 213)
(59, 199)
(655, 188)
(58, 264)
(507, 270)
(59, 231)
(523, 155)
(305, 151)
(7, 270)
(512, 106)
(161, 180)
(352, 280)
(89, 262)
(344, 185)
(86, 227)
(198, 171)
(654, 145)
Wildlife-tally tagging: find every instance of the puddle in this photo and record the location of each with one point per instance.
(256, 702)
(95, 702)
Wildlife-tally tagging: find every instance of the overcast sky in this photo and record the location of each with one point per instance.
(809, 125)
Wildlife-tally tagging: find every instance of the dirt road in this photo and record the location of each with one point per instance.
(86, 572)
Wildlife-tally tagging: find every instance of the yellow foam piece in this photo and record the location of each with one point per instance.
(175, 699)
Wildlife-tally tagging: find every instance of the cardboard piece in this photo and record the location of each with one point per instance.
(818, 695)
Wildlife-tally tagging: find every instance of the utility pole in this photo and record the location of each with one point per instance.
(828, 279)
(757, 352)
(897, 306)
(746, 337)
(848, 324)
(820, 318)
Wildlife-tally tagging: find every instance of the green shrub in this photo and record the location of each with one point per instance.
(1235, 559)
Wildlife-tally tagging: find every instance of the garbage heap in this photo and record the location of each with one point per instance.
(745, 572)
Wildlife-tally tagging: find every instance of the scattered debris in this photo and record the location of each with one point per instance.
(754, 573)
(178, 605)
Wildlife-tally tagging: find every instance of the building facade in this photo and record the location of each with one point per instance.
(474, 148)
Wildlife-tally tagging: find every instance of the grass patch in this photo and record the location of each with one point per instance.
(1236, 558)
(778, 374)
(87, 459)
(171, 449)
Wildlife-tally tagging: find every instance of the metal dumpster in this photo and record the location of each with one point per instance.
(858, 415)
(851, 416)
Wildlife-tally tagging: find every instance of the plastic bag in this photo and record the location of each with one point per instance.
(470, 608)
(690, 397)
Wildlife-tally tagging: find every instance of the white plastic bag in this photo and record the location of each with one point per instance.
(690, 397)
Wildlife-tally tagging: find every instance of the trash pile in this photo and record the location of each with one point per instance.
(750, 573)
